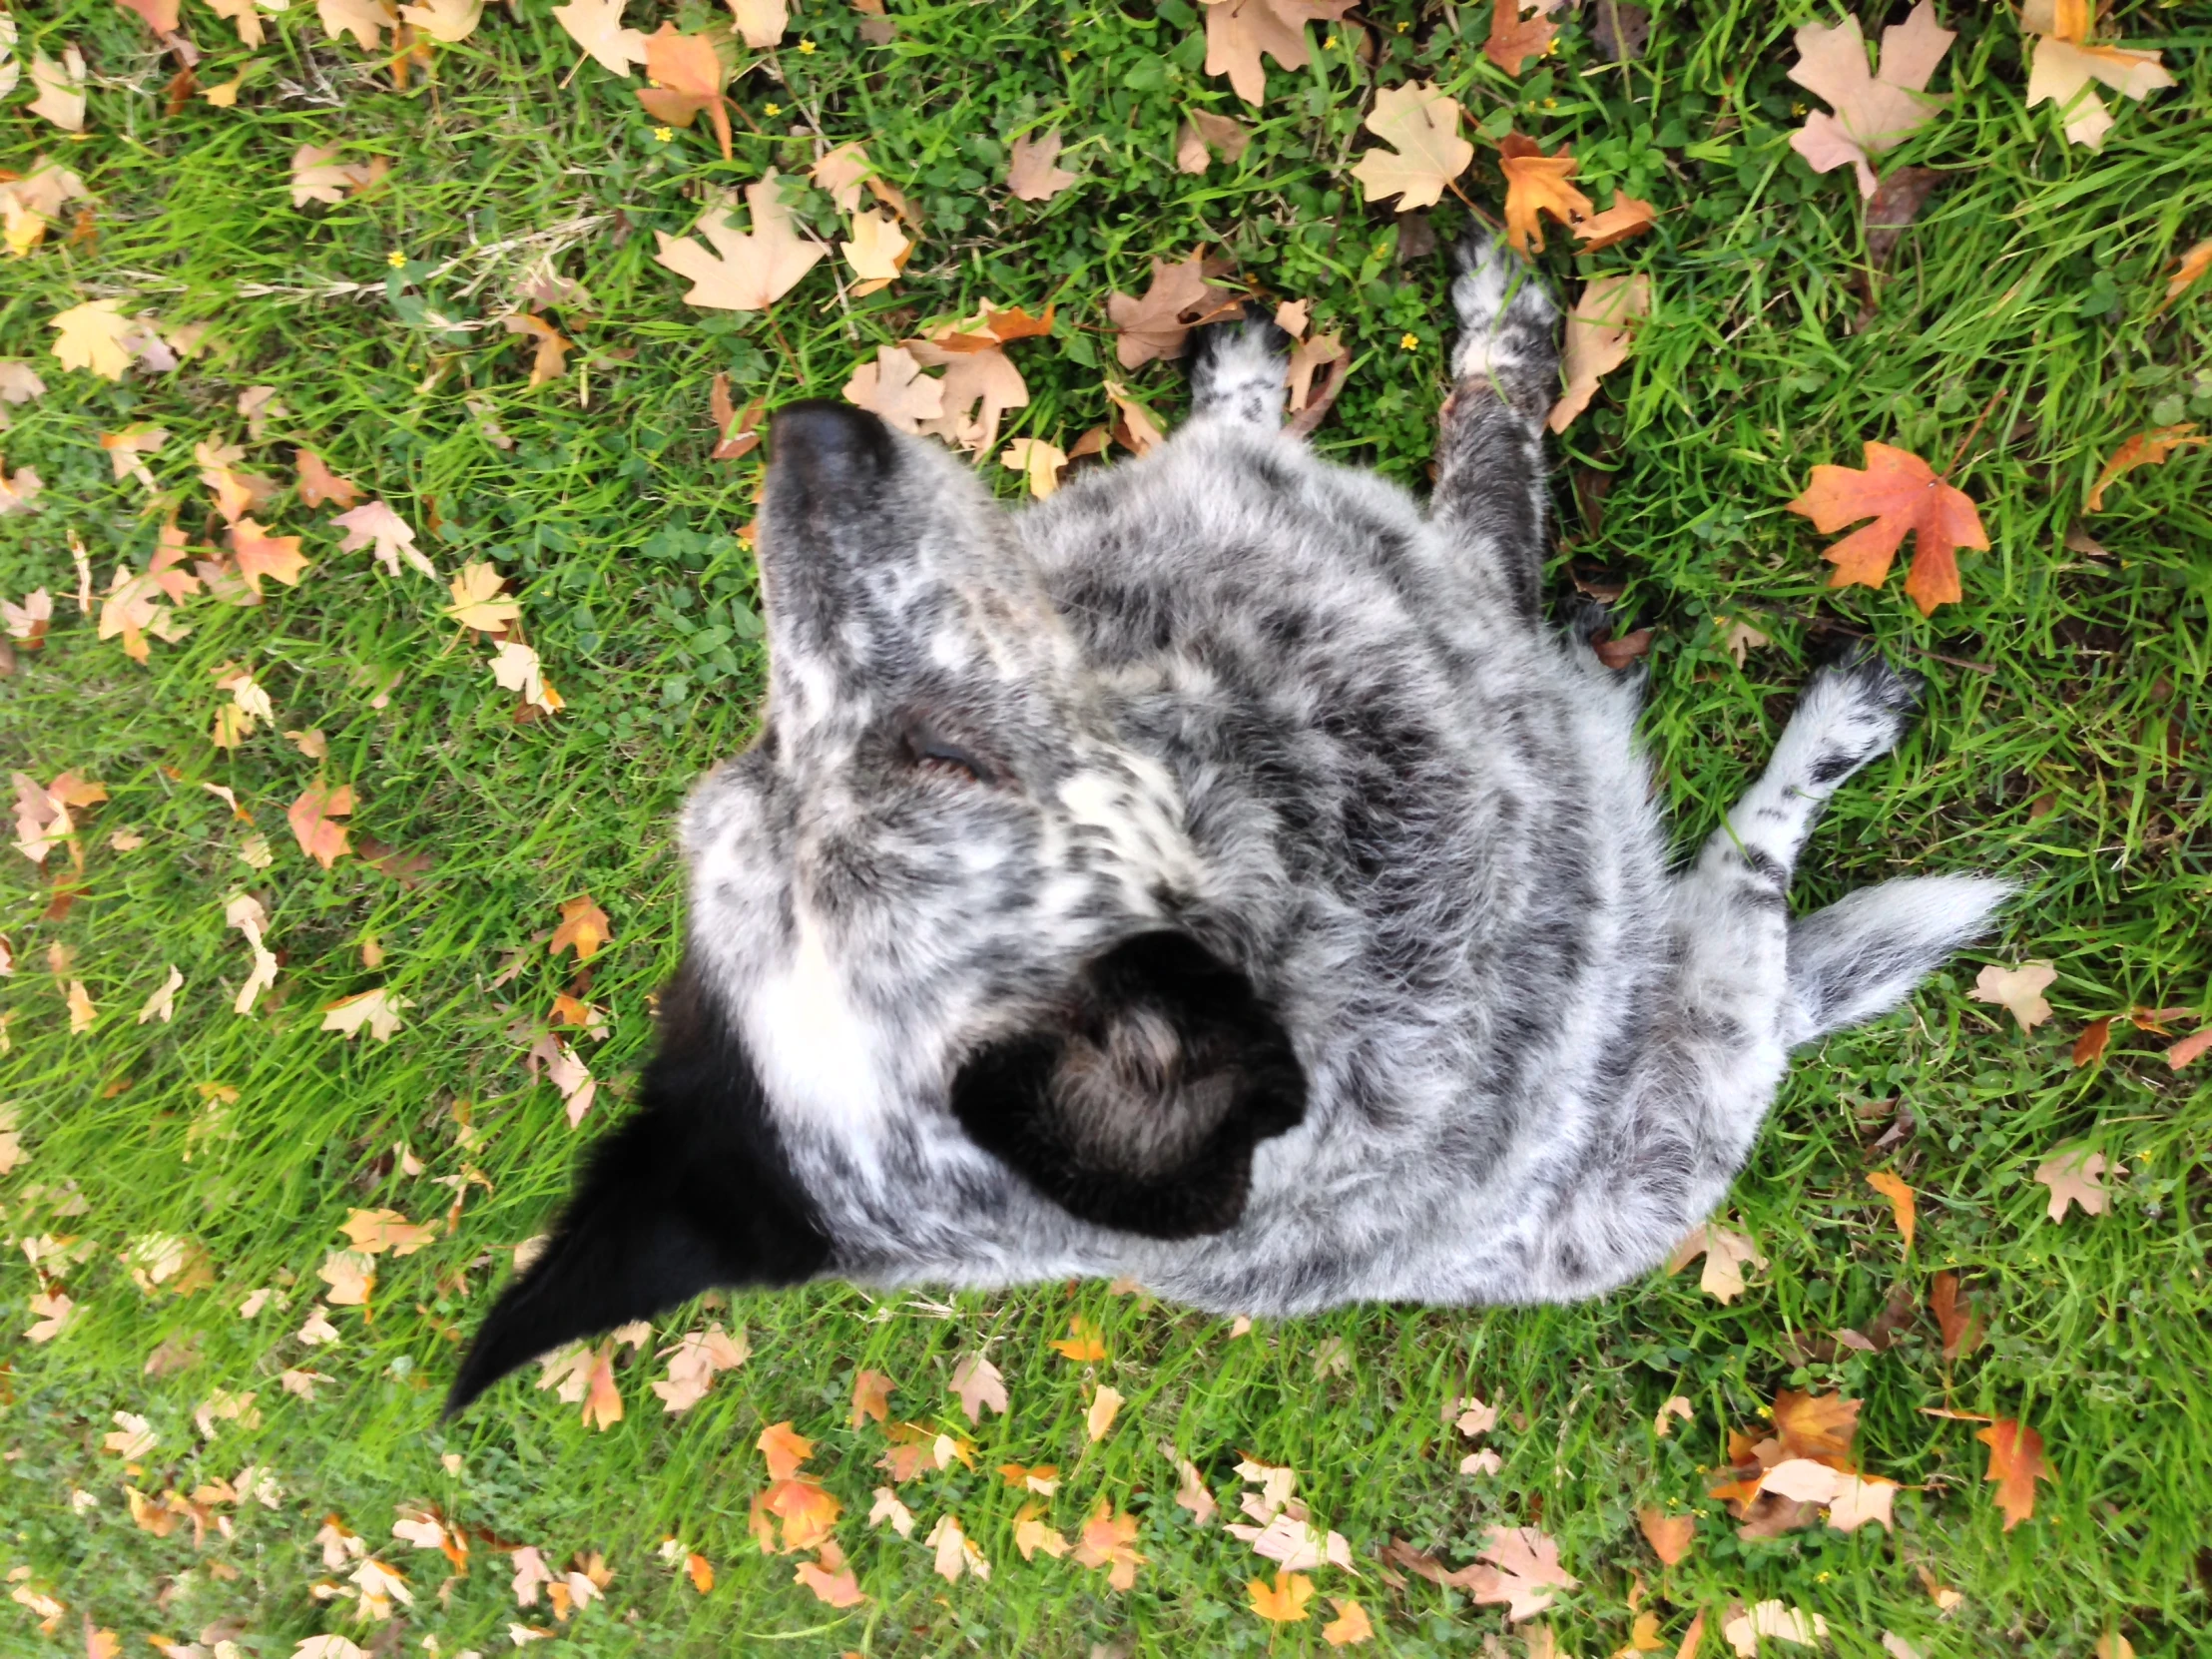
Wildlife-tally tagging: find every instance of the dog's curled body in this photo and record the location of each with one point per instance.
(1219, 875)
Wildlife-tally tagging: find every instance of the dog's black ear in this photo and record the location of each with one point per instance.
(695, 1190)
(1137, 1102)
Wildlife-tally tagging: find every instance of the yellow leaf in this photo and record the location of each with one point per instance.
(1284, 1601)
(476, 600)
(91, 337)
(1902, 1205)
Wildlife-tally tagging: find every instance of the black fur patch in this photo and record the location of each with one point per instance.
(1137, 1104)
(693, 1192)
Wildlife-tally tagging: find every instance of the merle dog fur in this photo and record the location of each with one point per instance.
(1217, 875)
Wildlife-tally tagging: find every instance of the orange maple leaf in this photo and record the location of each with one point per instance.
(584, 929)
(320, 485)
(784, 1449)
(2143, 449)
(2016, 1465)
(1901, 1202)
(1818, 1426)
(1536, 184)
(602, 1400)
(1081, 1343)
(689, 79)
(871, 1396)
(310, 816)
(261, 554)
(1284, 1601)
(828, 1577)
(1109, 1539)
(701, 1572)
(1901, 493)
(2191, 265)
(807, 1512)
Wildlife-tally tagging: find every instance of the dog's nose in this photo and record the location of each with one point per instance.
(821, 446)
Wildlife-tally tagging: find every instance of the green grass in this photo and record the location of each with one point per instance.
(2065, 744)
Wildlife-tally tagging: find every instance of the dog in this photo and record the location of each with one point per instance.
(1218, 875)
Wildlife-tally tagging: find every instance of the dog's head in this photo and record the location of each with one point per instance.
(942, 900)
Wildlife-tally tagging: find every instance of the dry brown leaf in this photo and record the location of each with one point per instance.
(688, 77)
(1205, 136)
(1598, 334)
(894, 389)
(1421, 123)
(2019, 990)
(1873, 113)
(2143, 449)
(2016, 1465)
(1033, 172)
(1157, 323)
(2074, 1177)
(748, 271)
(1514, 39)
(583, 928)
(1239, 31)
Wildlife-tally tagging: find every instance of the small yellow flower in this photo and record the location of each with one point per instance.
(667, 135)
(1551, 103)
(1408, 342)
(806, 47)
(772, 109)
(1066, 56)
(1329, 45)
(1403, 27)
(395, 258)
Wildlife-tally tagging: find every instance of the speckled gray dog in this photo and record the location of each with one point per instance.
(1217, 875)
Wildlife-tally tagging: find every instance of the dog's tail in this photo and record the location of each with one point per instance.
(1862, 955)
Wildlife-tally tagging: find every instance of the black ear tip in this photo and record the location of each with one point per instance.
(827, 437)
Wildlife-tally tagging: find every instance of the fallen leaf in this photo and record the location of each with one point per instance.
(91, 337)
(686, 76)
(596, 26)
(1775, 1620)
(1205, 136)
(872, 1397)
(1535, 184)
(1958, 1327)
(1873, 111)
(1081, 1343)
(584, 928)
(980, 1387)
(364, 20)
(1901, 493)
(1901, 1202)
(1818, 1428)
(1099, 1418)
(450, 21)
(351, 1276)
(894, 389)
(60, 88)
(2089, 1047)
(877, 250)
(1598, 333)
(1158, 324)
(1349, 1627)
(954, 1554)
(550, 348)
(1675, 1407)
(1110, 1540)
(376, 526)
(1859, 1499)
(901, 1519)
(2189, 267)
(1528, 1570)
(1725, 1254)
(376, 1231)
(1284, 1601)
(2143, 449)
(1192, 1494)
(477, 602)
(2021, 989)
(748, 271)
(2189, 1048)
(2074, 1177)
(975, 391)
(2016, 1465)
(1627, 217)
(2061, 64)
(1033, 172)
(1668, 1535)
(315, 177)
(1486, 1461)
(1239, 31)
(310, 817)
(1039, 463)
(1895, 202)
(1514, 39)
(1422, 125)
(829, 1578)
(1134, 429)
(260, 554)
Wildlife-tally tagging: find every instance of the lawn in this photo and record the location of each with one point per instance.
(166, 1175)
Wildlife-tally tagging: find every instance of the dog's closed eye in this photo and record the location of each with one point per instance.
(928, 749)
